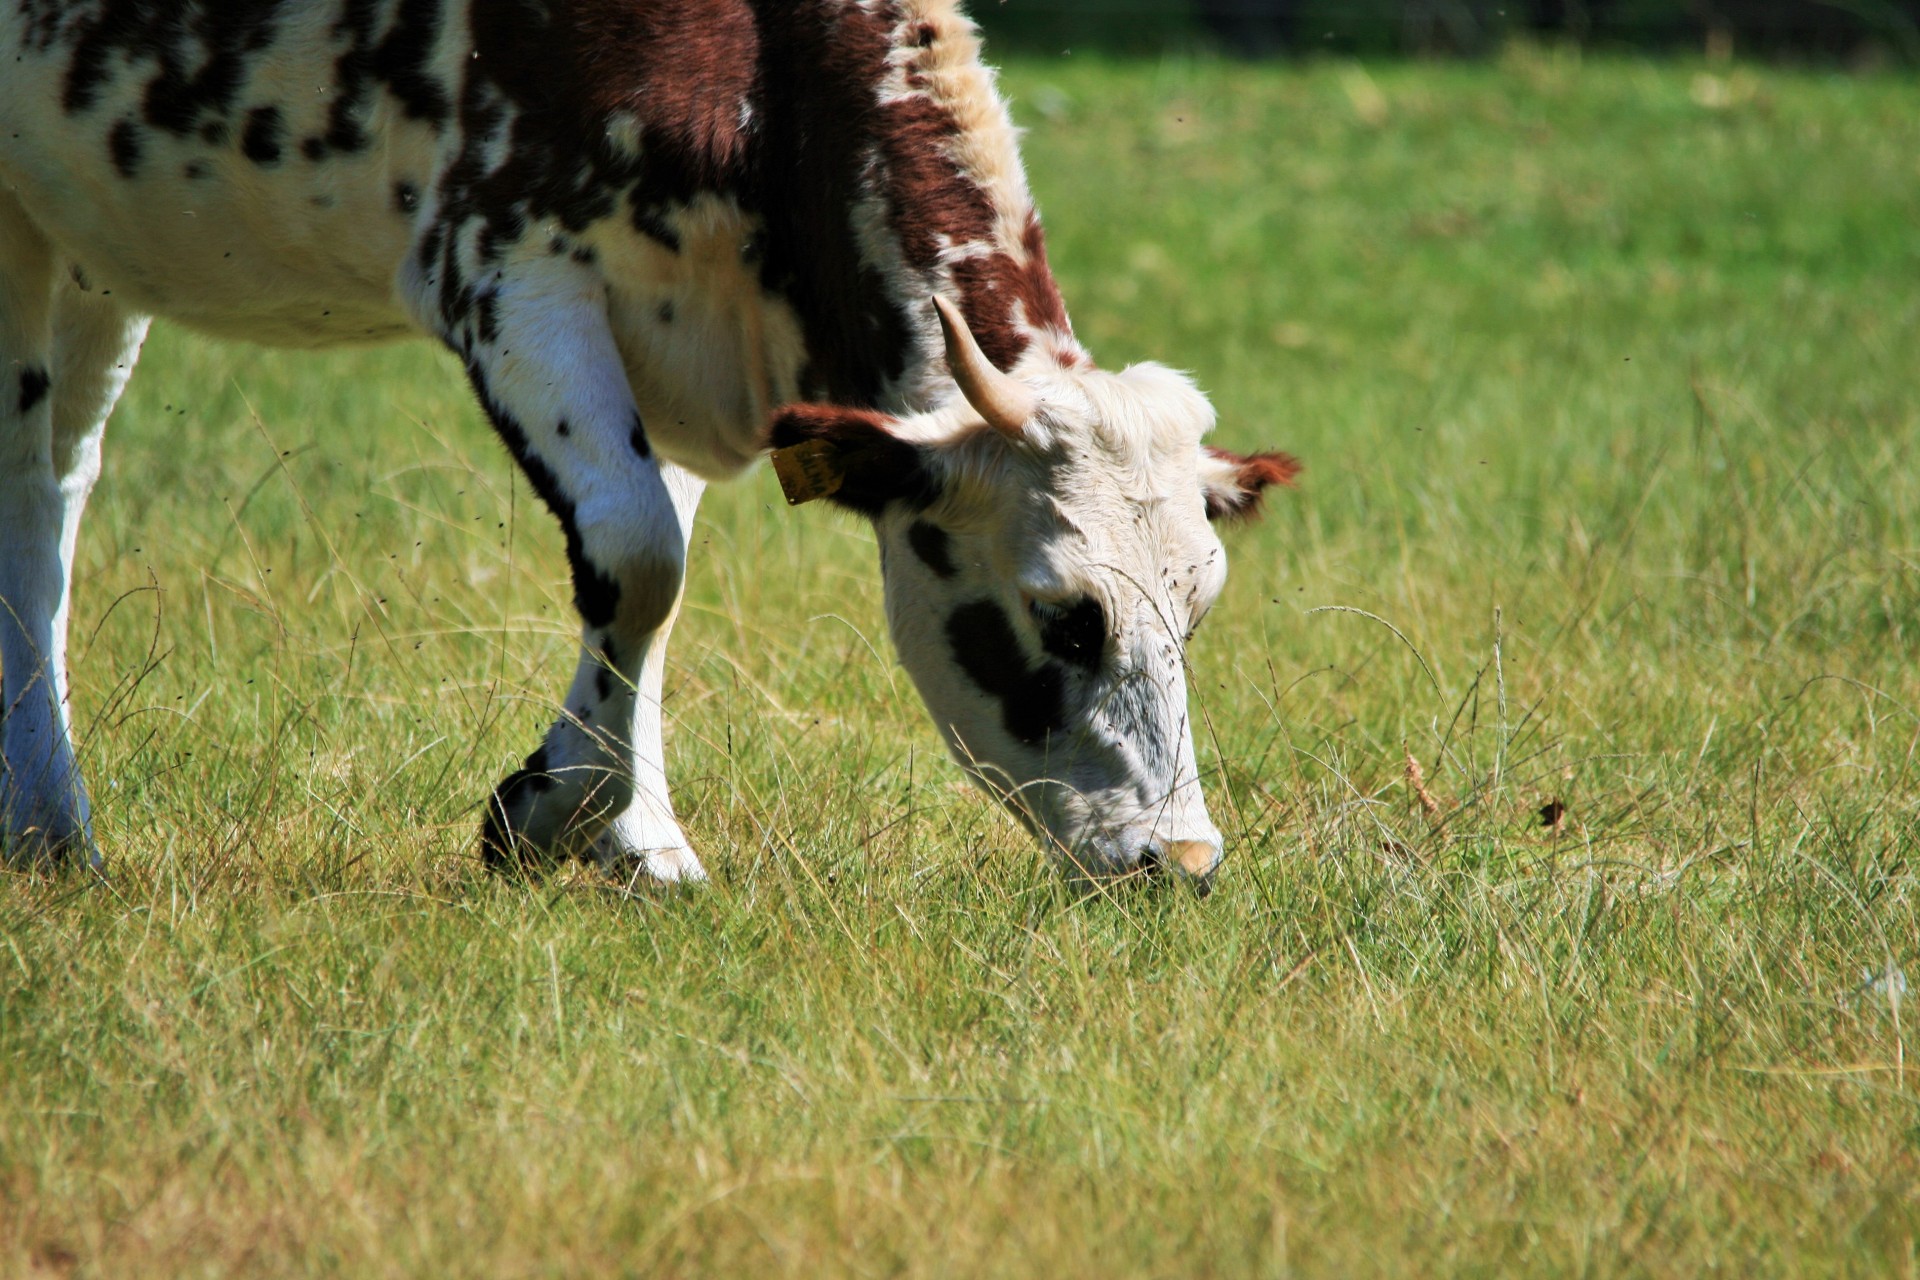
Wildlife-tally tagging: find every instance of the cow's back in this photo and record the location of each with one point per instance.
(763, 192)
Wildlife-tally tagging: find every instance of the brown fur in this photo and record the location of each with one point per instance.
(1252, 474)
(797, 110)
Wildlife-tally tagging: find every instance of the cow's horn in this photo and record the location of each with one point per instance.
(1004, 401)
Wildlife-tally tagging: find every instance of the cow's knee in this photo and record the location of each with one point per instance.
(627, 575)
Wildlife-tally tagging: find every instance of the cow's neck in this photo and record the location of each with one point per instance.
(924, 192)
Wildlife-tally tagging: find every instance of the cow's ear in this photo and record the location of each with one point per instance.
(849, 456)
(1232, 484)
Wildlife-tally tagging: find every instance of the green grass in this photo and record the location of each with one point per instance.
(1609, 407)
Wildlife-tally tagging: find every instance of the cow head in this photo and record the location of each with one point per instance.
(1047, 546)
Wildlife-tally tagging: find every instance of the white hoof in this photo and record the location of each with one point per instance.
(632, 848)
(671, 866)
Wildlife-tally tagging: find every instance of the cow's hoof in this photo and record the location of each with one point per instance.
(663, 856)
(506, 848)
(661, 866)
(35, 850)
(673, 866)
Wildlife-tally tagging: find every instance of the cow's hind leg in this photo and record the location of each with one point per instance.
(64, 357)
(543, 361)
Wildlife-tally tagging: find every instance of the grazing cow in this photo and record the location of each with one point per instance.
(664, 236)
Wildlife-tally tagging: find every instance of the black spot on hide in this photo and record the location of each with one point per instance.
(430, 245)
(260, 140)
(487, 312)
(201, 54)
(987, 648)
(398, 60)
(877, 466)
(33, 388)
(649, 222)
(123, 145)
(500, 848)
(935, 549)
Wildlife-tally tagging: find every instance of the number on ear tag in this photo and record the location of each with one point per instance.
(807, 471)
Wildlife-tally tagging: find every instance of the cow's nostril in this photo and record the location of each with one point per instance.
(1150, 863)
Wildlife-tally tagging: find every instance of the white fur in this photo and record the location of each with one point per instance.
(1102, 499)
(646, 839)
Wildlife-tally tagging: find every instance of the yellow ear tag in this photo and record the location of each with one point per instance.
(807, 471)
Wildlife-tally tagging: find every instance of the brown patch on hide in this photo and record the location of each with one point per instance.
(684, 68)
(1251, 474)
(935, 203)
(1036, 286)
(816, 103)
(636, 108)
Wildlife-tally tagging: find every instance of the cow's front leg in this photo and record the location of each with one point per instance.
(538, 349)
(645, 838)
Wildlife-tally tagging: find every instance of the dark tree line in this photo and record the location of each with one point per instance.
(1808, 29)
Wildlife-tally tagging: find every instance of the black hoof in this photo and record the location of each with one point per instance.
(32, 850)
(503, 850)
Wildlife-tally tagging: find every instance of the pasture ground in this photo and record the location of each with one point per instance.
(1605, 377)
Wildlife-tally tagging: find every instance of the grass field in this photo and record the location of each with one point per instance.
(1605, 378)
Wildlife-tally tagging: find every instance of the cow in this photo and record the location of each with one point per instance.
(664, 237)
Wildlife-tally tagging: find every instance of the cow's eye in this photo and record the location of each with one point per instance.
(1074, 632)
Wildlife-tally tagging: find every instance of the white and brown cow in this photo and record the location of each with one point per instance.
(645, 226)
